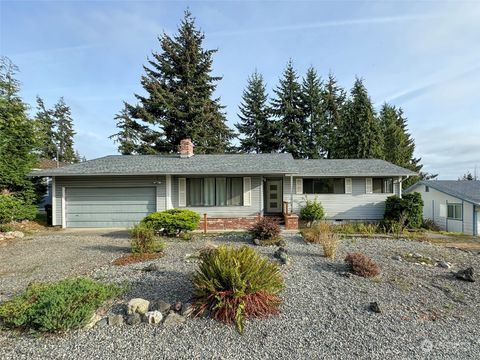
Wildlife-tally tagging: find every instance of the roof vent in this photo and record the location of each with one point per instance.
(186, 148)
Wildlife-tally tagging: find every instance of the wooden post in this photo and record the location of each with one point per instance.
(205, 223)
(285, 203)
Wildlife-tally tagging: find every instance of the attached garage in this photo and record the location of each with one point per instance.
(104, 207)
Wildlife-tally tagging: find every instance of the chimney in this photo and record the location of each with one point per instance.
(186, 148)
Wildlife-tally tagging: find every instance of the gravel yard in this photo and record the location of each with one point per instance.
(425, 312)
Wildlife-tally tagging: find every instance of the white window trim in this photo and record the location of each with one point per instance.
(298, 186)
(182, 192)
(247, 191)
(348, 186)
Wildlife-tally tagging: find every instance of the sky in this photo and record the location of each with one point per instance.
(423, 56)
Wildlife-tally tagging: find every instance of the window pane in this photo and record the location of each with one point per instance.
(307, 186)
(236, 191)
(458, 211)
(339, 186)
(377, 186)
(221, 191)
(450, 211)
(194, 192)
(388, 185)
(209, 191)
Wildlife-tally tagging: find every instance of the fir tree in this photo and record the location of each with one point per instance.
(64, 132)
(315, 142)
(360, 135)
(288, 108)
(180, 100)
(258, 130)
(45, 123)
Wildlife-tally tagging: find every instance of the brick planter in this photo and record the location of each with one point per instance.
(237, 223)
(291, 222)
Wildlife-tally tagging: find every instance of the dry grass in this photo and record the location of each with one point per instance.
(321, 233)
(136, 258)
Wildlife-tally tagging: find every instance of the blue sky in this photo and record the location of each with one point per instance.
(423, 56)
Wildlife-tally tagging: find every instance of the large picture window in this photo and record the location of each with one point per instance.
(454, 211)
(219, 191)
(324, 186)
(382, 185)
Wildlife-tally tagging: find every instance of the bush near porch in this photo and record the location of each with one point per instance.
(172, 222)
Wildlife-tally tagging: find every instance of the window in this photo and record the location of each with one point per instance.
(324, 186)
(427, 189)
(220, 191)
(454, 211)
(382, 185)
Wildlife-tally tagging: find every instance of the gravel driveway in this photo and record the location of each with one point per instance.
(426, 313)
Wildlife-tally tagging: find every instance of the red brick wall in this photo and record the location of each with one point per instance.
(242, 223)
(291, 222)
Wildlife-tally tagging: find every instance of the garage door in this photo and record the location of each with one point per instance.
(108, 207)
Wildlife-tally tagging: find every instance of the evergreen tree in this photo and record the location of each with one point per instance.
(360, 135)
(333, 106)
(45, 123)
(315, 144)
(468, 176)
(288, 108)
(64, 132)
(17, 137)
(258, 130)
(180, 100)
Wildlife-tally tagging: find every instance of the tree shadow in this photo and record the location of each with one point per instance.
(122, 234)
(108, 248)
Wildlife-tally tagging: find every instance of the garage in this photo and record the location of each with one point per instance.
(108, 207)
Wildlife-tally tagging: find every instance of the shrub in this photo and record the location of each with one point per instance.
(411, 205)
(321, 233)
(361, 265)
(172, 222)
(14, 209)
(429, 224)
(312, 211)
(265, 229)
(233, 284)
(60, 306)
(145, 240)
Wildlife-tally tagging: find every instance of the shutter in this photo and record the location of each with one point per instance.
(348, 185)
(368, 186)
(298, 186)
(182, 192)
(247, 191)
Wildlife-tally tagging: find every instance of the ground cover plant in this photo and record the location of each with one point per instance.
(60, 306)
(361, 265)
(173, 222)
(233, 284)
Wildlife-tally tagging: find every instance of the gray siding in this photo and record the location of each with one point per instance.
(227, 211)
(106, 182)
(355, 206)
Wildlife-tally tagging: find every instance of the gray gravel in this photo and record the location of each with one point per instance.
(426, 313)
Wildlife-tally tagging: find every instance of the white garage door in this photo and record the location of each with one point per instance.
(108, 207)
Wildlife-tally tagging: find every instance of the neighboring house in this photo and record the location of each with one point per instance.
(453, 205)
(232, 189)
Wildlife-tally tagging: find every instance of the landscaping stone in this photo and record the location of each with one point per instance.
(465, 275)
(134, 319)
(444, 264)
(346, 274)
(282, 255)
(138, 305)
(161, 306)
(153, 317)
(397, 257)
(375, 307)
(174, 319)
(152, 267)
(115, 320)
(256, 242)
(102, 322)
(93, 321)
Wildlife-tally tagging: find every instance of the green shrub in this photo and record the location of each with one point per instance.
(233, 284)
(145, 240)
(410, 205)
(60, 306)
(173, 222)
(15, 209)
(312, 211)
(265, 229)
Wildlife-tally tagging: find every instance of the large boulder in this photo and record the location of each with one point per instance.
(139, 306)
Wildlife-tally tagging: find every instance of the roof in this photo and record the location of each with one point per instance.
(173, 164)
(351, 167)
(49, 164)
(468, 190)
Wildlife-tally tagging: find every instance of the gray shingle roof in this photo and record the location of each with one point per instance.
(350, 167)
(173, 164)
(465, 190)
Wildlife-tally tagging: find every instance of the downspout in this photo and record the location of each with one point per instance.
(400, 181)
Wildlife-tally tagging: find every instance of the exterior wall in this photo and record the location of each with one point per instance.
(434, 200)
(227, 211)
(355, 206)
(106, 181)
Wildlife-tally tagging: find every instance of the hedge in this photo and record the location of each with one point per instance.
(410, 204)
(15, 209)
(172, 222)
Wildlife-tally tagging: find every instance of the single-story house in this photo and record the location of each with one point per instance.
(453, 205)
(232, 189)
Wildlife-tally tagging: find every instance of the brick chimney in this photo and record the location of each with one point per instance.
(186, 148)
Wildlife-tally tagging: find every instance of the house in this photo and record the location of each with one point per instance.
(452, 204)
(232, 189)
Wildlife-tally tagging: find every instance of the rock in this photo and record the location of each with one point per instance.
(174, 319)
(161, 306)
(177, 306)
(153, 317)
(134, 319)
(18, 234)
(444, 264)
(465, 275)
(345, 274)
(256, 242)
(282, 255)
(397, 257)
(375, 307)
(102, 322)
(187, 309)
(152, 267)
(93, 321)
(139, 306)
(115, 320)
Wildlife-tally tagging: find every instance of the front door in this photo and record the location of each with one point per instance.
(274, 196)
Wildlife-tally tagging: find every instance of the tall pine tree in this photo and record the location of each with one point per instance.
(360, 135)
(287, 106)
(45, 123)
(179, 98)
(64, 132)
(314, 145)
(258, 130)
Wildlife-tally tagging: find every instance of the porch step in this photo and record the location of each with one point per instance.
(279, 219)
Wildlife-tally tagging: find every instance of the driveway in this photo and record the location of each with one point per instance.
(54, 256)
